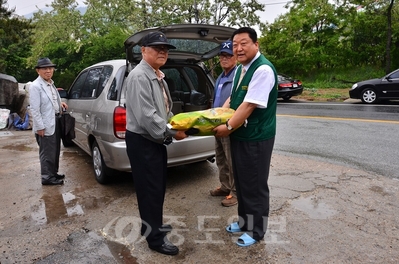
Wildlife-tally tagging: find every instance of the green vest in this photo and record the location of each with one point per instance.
(262, 122)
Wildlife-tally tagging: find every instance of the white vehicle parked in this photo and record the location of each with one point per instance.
(97, 101)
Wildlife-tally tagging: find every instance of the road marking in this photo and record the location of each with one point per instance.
(341, 104)
(343, 119)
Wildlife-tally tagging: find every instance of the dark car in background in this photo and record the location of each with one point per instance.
(374, 90)
(288, 87)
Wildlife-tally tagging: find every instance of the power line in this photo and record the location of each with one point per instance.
(29, 6)
(277, 3)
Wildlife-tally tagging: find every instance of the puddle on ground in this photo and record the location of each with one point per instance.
(20, 147)
(69, 153)
(71, 204)
(379, 190)
(38, 214)
(55, 206)
(121, 253)
(94, 202)
(313, 207)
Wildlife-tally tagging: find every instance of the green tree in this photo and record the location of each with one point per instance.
(102, 15)
(389, 37)
(376, 46)
(59, 27)
(368, 44)
(221, 12)
(322, 34)
(308, 37)
(74, 40)
(15, 42)
(106, 47)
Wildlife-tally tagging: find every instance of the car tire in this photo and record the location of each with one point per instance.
(101, 171)
(286, 98)
(369, 96)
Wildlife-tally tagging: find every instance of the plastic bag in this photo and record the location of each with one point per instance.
(4, 113)
(202, 121)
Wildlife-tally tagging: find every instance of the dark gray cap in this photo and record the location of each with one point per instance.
(156, 38)
(44, 63)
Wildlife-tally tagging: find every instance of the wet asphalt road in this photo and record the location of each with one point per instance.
(349, 133)
(321, 212)
(351, 108)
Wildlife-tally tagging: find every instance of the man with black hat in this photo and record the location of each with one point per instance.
(148, 109)
(46, 109)
(222, 144)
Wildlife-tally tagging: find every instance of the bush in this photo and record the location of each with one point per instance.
(340, 78)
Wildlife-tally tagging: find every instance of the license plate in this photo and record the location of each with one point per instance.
(295, 85)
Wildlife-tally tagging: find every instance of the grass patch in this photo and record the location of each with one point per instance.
(324, 94)
(342, 78)
(334, 84)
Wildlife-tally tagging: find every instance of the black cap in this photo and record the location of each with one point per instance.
(44, 63)
(156, 38)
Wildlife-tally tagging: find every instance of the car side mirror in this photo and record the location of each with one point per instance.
(63, 93)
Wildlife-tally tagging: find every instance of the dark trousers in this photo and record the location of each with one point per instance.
(149, 169)
(49, 152)
(251, 164)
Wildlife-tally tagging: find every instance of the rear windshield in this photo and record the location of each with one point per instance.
(192, 46)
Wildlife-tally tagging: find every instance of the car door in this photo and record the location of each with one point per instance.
(390, 85)
(81, 97)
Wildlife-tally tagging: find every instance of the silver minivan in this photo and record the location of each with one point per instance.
(96, 98)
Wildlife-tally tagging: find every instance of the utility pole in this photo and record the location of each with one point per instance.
(196, 11)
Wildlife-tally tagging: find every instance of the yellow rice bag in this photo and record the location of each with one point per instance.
(204, 120)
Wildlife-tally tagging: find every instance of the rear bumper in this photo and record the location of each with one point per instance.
(289, 92)
(189, 150)
(115, 155)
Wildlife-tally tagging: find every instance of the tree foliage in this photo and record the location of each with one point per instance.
(74, 40)
(321, 34)
(15, 42)
(314, 35)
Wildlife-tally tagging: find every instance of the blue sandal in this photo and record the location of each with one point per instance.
(233, 228)
(245, 240)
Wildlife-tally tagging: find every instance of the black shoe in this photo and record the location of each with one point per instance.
(52, 181)
(60, 176)
(166, 228)
(167, 248)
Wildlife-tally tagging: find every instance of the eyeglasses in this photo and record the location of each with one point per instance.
(47, 68)
(160, 48)
(225, 55)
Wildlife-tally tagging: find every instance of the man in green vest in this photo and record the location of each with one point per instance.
(252, 131)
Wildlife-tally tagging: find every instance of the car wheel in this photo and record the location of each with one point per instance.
(369, 96)
(286, 98)
(101, 171)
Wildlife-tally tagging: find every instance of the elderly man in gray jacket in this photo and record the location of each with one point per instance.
(46, 109)
(148, 107)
